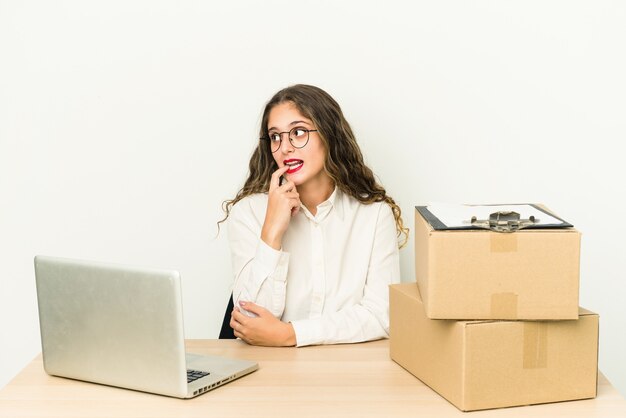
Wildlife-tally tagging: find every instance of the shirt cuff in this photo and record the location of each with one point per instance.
(305, 331)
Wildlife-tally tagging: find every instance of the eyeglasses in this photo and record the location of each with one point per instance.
(298, 137)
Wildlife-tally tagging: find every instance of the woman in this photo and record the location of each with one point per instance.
(314, 238)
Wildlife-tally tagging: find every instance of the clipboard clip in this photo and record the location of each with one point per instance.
(504, 221)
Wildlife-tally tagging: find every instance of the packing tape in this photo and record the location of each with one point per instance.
(535, 345)
(502, 242)
(504, 306)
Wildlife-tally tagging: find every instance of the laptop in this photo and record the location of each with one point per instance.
(122, 326)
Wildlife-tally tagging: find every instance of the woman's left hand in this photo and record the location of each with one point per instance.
(265, 329)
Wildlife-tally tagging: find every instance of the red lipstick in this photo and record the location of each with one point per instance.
(293, 164)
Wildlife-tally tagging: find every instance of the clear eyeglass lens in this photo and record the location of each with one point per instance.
(299, 137)
(274, 141)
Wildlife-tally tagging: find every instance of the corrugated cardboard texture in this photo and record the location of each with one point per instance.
(480, 274)
(434, 360)
(493, 364)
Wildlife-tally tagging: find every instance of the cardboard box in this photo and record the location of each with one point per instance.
(481, 274)
(493, 364)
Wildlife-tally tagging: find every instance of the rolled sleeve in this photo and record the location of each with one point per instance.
(260, 271)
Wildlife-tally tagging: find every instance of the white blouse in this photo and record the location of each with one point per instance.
(331, 278)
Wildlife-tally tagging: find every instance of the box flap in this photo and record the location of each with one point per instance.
(581, 312)
(584, 312)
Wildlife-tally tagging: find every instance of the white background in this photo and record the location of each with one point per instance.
(125, 124)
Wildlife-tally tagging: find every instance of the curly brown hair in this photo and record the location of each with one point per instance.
(344, 160)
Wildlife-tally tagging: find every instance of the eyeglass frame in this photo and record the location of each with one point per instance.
(308, 136)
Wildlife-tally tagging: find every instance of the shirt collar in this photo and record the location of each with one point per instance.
(334, 201)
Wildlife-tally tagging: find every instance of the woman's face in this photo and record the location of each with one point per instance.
(306, 163)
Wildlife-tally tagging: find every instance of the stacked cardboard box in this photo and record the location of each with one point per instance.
(494, 319)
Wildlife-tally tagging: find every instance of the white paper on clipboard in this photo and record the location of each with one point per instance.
(459, 215)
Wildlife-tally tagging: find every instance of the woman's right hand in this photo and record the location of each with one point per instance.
(283, 202)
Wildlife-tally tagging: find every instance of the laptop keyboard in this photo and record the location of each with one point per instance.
(195, 375)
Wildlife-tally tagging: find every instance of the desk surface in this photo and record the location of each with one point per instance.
(357, 380)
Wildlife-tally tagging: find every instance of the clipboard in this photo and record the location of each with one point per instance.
(499, 221)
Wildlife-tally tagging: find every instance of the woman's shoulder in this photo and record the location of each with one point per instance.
(355, 206)
(253, 203)
(252, 199)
